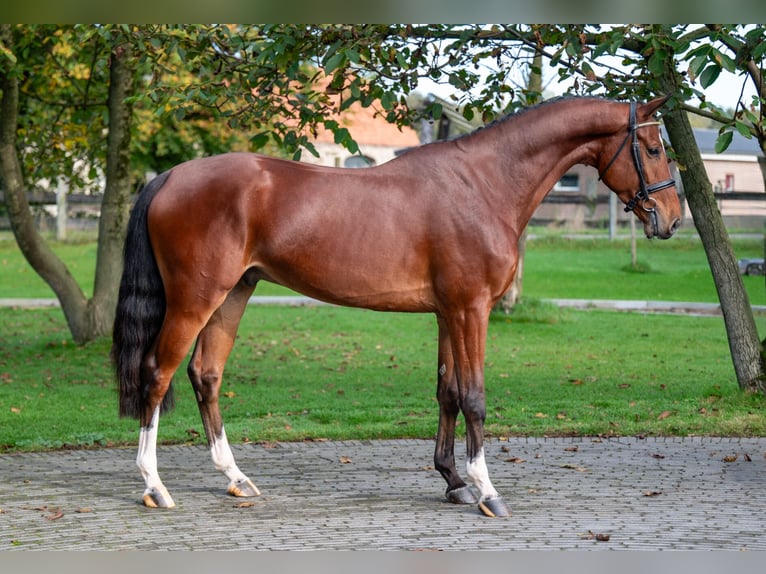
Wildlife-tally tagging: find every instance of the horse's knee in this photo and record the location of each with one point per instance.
(448, 396)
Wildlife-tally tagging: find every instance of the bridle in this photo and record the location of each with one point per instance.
(643, 195)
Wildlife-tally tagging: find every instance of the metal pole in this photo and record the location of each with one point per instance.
(61, 210)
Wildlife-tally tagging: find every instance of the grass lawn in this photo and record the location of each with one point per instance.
(327, 372)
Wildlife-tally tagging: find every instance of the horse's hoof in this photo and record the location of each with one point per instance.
(462, 495)
(243, 488)
(158, 498)
(494, 507)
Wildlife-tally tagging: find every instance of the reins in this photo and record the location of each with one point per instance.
(643, 195)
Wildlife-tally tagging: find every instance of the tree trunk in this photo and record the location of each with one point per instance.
(86, 319)
(741, 330)
(34, 248)
(115, 206)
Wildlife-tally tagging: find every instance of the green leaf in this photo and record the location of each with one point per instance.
(336, 61)
(258, 141)
(725, 61)
(7, 54)
(388, 100)
(310, 146)
(743, 129)
(697, 64)
(341, 136)
(723, 141)
(710, 75)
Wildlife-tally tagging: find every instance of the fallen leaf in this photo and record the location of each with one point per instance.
(15, 410)
(230, 394)
(572, 449)
(246, 504)
(345, 460)
(574, 467)
(56, 513)
(515, 459)
(651, 492)
(590, 535)
(664, 415)
(747, 458)
(192, 433)
(658, 456)
(602, 537)
(541, 416)
(731, 458)
(83, 510)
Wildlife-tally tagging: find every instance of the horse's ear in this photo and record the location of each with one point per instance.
(652, 106)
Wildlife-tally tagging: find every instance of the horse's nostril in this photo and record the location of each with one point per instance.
(674, 227)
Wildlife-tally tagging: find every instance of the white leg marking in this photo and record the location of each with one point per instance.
(477, 471)
(223, 459)
(147, 464)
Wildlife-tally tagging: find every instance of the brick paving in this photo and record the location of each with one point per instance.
(641, 494)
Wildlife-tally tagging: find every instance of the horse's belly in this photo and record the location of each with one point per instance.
(357, 285)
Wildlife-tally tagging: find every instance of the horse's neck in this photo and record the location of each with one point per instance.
(534, 150)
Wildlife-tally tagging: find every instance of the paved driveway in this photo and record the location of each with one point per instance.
(628, 493)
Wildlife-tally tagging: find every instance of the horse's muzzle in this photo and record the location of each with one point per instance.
(652, 228)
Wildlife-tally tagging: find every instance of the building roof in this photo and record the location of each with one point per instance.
(740, 145)
(370, 128)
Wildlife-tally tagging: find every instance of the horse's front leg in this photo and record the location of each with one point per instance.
(468, 332)
(205, 371)
(447, 393)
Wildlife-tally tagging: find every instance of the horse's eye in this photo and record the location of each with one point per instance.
(654, 151)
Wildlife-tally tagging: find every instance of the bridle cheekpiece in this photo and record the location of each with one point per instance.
(643, 195)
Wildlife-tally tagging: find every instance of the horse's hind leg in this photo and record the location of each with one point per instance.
(205, 371)
(449, 407)
(173, 342)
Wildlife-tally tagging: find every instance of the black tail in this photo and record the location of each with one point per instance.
(140, 307)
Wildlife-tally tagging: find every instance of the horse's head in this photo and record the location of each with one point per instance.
(635, 167)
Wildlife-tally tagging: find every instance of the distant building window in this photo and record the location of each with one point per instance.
(358, 161)
(570, 182)
(729, 182)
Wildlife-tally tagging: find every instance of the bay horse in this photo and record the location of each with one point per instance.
(434, 230)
